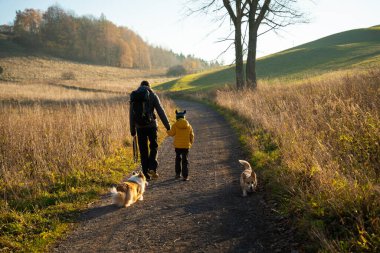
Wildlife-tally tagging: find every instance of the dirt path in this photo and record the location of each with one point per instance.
(205, 214)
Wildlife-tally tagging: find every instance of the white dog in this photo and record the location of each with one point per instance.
(248, 179)
(128, 192)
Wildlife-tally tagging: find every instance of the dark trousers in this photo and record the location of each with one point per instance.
(148, 156)
(182, 161)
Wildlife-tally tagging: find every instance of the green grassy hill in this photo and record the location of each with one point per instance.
(359, 48)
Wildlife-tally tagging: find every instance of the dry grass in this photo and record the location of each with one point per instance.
(39, 70)
(327, 132)
(42, 145)
(54, 158)
(49, 92)
(64, 138)
(58, 116)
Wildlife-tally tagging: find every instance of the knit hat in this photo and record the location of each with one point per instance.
(179, 115)
(145, 83)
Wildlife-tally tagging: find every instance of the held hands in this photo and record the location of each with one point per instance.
(168, 131)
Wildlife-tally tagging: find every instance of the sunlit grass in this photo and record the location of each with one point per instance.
(64, 139)
(54, 160)
(317, 145)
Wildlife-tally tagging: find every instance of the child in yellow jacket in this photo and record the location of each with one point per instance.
(183, 139)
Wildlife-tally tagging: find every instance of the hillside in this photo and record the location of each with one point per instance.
(359, 48)
(31, 71)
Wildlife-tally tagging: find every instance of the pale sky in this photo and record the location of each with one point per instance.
(164, 23)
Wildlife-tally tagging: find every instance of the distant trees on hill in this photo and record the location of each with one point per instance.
(177, 70)
(96, 40)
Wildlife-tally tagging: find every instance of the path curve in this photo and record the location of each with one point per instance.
(205, 214)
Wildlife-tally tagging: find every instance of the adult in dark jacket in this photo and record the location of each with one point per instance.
(148, 132)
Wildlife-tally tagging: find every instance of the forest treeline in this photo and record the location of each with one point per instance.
(95, 40)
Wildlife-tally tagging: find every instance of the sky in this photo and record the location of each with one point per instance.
(165, 23)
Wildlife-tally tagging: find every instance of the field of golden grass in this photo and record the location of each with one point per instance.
(48, 73)
(64, 139)
(318, 143)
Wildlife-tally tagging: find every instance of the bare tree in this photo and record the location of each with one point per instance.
(272, 15)
(236, 18)
(269, 15)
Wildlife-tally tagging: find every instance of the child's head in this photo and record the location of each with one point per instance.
(180, 115)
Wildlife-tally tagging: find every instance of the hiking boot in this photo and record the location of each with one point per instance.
(185, 179)
(153, 174)
(147, 177)
(178, 176)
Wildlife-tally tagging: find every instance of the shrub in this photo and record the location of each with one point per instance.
(177, 70)
(68, 75)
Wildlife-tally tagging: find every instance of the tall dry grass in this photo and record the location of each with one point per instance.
(45, 146)
(328, 135)
(59, 149)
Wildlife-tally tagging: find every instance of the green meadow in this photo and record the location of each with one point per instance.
(354, 49)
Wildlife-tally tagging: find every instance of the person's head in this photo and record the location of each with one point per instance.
(145, 83)
(180, 115)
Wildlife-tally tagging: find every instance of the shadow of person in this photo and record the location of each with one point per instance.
(98, 211)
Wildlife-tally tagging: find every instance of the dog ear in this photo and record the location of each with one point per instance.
(176, 111)
(184, 112)
(254, 177)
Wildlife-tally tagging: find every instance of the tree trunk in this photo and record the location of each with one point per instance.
(251, 60)
(254, 22)
(236, 19)
(239, 67)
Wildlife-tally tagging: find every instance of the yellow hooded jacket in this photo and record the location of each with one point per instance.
(183, 133)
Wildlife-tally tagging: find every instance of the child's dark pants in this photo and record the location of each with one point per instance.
(182, 162)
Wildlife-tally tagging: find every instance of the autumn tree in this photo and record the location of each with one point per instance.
(58, 31)
(27, 26)
(95, 40)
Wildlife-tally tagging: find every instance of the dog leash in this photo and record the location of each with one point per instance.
(135, 151)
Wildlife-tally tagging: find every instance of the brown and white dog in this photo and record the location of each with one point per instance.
(248, 179)
(128, 192)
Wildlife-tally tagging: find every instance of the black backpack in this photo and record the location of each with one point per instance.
(140, 102)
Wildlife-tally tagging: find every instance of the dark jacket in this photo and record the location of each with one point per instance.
(155, 104)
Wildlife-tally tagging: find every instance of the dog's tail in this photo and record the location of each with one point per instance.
(117, 197)
(246, 164)
(113, 191)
